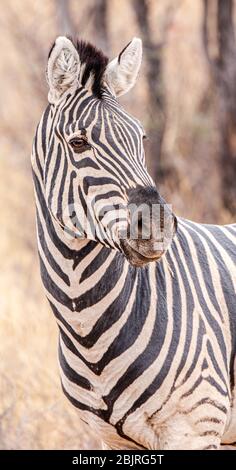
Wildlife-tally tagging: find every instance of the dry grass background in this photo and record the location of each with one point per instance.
(33, 412)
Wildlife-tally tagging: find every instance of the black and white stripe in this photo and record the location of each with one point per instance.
(146, 355)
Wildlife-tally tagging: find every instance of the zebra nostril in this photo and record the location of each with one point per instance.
(140, 224)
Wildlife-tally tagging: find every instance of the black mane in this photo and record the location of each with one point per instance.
(95, 62)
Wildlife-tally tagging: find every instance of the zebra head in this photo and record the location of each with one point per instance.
(96, 182)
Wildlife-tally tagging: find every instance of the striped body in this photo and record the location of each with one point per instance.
(147, 355)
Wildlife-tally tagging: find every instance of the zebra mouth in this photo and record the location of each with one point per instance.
(137, 259)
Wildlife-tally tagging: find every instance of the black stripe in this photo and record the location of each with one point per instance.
(223, 240)
(227, 289)
(54, 265)
(192, 389)
(205, 401)
(189, 304)
(96, 263)
(104, 285)
(52, 288)
(78, 404)
(214, 384)
(59, 212)
(113, 313)
(48, 160)
(215, 363)
(44, 129)
(200, 333)
(71, 374)
(65, 251)
(216, 328)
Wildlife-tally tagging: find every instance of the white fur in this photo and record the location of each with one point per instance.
(121, 76)
(62, 70)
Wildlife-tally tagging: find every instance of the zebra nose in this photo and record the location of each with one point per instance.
(145, 225)
(140, 225)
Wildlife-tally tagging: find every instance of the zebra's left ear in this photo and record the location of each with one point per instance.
(122, 72)
(62, 69)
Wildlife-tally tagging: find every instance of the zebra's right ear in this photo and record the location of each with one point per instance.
(62, 69)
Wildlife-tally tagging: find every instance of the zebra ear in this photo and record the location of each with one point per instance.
(62, 69)
(122, 72)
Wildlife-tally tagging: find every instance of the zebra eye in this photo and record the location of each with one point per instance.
(79, 144)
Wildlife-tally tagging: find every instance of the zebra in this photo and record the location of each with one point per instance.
(147, 327)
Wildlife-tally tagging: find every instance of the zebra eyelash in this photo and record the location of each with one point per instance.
(79, 144)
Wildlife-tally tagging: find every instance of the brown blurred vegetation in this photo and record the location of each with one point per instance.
(186, 99)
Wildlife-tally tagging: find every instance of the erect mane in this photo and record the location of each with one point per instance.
(95, 63)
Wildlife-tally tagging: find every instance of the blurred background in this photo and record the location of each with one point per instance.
(186, 99)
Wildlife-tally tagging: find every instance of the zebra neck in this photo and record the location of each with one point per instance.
(101, 293)
(85, 278)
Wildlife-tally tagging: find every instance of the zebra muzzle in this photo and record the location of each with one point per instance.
(147, 239)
